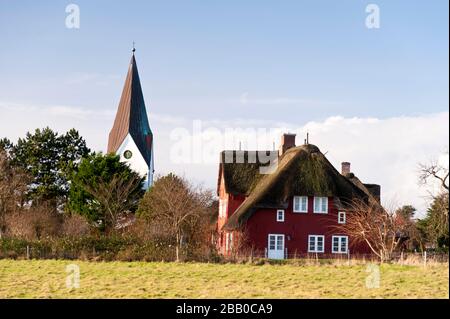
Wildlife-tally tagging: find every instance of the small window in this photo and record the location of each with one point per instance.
(280, 215)
(341, 218)
(127, 154)
(300, 204)
(339, 244)
(316, 243)
(223, 203)
(321, 205)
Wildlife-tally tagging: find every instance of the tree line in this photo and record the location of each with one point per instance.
(52, 185)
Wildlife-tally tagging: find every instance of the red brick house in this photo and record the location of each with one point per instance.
(293, 210)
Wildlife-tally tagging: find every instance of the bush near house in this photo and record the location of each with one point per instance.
(181, 210)
(88, 248)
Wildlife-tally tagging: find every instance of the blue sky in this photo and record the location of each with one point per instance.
(299, 63)
(199, 57)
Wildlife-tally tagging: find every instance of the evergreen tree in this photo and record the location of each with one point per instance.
(435, 225)
(102, 187)
(48, 158)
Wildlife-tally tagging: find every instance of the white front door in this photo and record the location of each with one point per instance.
(275, 247)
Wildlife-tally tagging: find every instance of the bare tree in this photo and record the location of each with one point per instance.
(13, 187)
(435, 224)
(435, 171)
(373, 225)
(241, 245)
(35, 222)
(74, 225)
(115, 196)
(176, 205)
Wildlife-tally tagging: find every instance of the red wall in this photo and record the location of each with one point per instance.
(233, 202)
(296, 228)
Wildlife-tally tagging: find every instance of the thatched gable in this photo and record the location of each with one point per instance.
(301, 170)
(241, 171)
(373, 190)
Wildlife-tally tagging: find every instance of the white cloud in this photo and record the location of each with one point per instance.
(383, 151)
(245, 99)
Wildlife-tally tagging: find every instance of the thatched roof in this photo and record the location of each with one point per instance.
(301, 170)
(373, 190)
(241, 171)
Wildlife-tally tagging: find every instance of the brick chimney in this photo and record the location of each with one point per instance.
(345, 168)
(287, 142)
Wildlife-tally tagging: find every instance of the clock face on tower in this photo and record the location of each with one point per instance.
(127, 154)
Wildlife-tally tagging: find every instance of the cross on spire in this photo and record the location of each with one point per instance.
(134, 49)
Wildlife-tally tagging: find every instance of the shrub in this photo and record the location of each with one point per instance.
(75, 226)
(88, 248)
(34, 223)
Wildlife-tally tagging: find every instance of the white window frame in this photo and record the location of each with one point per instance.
(227, 241)
(339, 249)
(223, 205)
(316, 237)
(321, 199)
(300, 199)
(282, 215)
(342, 217)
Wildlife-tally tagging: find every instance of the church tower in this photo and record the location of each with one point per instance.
(131, 136)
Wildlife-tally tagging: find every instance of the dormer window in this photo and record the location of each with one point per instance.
(300, 204)
(321, 205)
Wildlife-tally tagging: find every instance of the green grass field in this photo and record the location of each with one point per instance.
(47, 279)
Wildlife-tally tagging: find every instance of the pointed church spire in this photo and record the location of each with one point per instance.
(131, 119)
